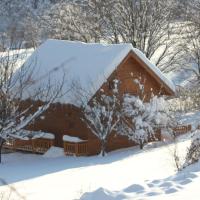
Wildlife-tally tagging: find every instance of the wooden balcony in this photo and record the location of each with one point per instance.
(179, 130)
(39, 145)
(76, 149)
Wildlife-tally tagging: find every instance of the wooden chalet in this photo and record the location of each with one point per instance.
(93, 67)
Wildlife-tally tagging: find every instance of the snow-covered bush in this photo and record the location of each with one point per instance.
(193, 153)
(102, 115)
(140, 117)
(133, 116)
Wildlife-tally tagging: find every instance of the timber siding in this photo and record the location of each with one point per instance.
(131, 69)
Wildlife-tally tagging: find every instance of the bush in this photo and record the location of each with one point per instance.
(193, 153)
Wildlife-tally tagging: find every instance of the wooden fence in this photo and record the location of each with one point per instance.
(77, 149)
(179, 130)
(39, 145)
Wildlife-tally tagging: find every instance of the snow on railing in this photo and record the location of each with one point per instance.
(37, 144)
(182, 129)
(75, 146)
(76, 149)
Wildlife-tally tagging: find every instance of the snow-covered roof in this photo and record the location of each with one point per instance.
(26, 135)
(89, 64)
(155, 69)
(68, 138)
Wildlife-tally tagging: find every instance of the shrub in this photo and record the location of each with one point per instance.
(193, 153)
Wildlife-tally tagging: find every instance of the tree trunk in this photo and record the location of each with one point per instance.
(134, 43)
(141, 144)
(0, 152)
(1, 146)
(103, 148)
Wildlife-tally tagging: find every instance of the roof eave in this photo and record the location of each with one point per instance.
(168, 89)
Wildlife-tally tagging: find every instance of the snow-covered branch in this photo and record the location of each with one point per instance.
(24, 94)
(140, 117)
(102, 115)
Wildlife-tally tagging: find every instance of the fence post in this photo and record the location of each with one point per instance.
(76, 149)
(33, 145)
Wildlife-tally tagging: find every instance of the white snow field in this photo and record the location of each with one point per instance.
(123, 174)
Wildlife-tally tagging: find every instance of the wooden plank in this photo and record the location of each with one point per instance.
(77, 149)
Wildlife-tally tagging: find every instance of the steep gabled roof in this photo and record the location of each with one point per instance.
(88, 63)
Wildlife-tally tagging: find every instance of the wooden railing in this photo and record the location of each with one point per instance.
(42, 145)
(177, 131)
(182, 129)
(39, 145)
(77, 149)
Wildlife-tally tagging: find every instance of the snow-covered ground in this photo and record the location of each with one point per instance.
(125, 174)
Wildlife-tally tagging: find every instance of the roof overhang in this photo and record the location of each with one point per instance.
(170, 91)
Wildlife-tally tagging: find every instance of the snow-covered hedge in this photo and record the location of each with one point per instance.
(193, 154)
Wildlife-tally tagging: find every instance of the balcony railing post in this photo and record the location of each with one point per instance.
(76, 149)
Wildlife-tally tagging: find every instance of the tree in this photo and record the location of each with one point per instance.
(19, 86)
(191, 37)
(145, 24)
(148, 24)
(141, 116)
(135, 116)
(21, 20)
(191, 58)
(66, 20)
(102, 116)
(193, 152)
(191, 48)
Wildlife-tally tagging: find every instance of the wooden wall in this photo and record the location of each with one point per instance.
(61, 120)
(129, 70)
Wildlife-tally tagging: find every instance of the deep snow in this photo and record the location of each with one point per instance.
(132, 173)
(54, 152)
